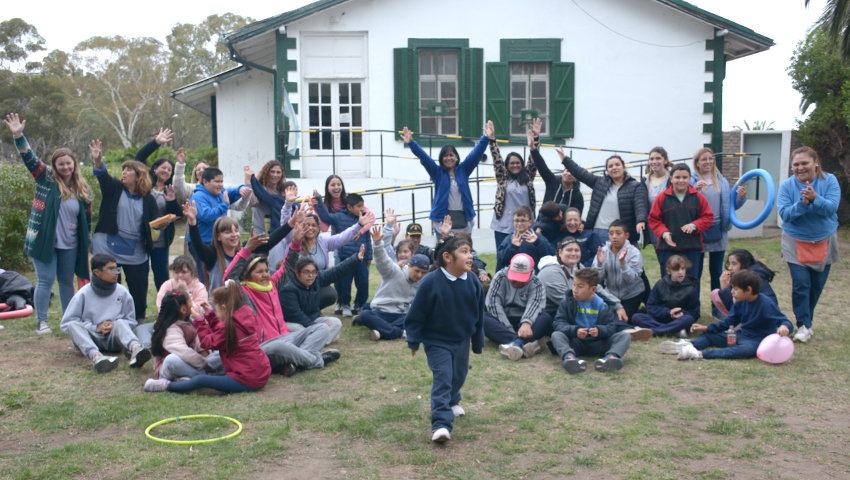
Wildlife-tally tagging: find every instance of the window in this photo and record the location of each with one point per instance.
(345, 113)
(439, 89)
(320, 109)
(529, 96)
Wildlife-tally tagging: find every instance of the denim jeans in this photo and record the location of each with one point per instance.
(159, 265)
(222, 383)
(361, 281)
(746, 347)
(806, 287)
(174, 367)
(715, 267)
(61, 267)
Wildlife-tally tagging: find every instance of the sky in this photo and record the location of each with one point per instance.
(757, 87)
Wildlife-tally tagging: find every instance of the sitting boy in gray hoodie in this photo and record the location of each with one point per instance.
(102, 316)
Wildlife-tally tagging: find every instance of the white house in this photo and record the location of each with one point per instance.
(623, 75)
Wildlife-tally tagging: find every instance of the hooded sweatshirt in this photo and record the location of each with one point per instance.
(667, 295)
(211, 208)
(248, 365)
(504, 301)
(396, 290)
(558, 279)
(623, 282)
(91, 309)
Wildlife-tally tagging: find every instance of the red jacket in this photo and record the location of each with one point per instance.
(248, 365)
(668, 214)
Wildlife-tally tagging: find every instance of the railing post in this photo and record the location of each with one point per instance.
(478, 196)
(383, 219)
(333, 153)
(758, 182)
(413, 204)
(382, 155)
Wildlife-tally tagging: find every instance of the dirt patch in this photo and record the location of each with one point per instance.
(27, 441)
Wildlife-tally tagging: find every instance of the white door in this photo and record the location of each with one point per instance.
(335, 111)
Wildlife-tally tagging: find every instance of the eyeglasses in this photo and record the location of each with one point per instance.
(521, 222)
(114, 271)
(309, 273)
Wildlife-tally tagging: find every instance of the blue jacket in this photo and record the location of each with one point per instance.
(536, 250)
(340, 221)
(211, 208)
(758, 318)
(815, 221)
(565, 320)
(443, 181)
(725, 222)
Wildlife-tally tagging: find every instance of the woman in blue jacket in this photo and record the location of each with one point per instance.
(451, 182)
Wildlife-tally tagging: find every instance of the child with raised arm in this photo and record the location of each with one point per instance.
(757, 314)
(523, 240)
(446, 314)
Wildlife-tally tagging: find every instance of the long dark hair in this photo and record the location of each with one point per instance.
(253, 261)
(342, 194)
(156, 164)
(446, 149)
(748, 261)
(169, 313)
(230, 298)
(522, 177)
(448, 243)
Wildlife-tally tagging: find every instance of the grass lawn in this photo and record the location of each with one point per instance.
(368, 415)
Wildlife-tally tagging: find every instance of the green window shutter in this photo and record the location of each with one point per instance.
(499, 97)
(406, 70)
(472, 103)
(562, 93)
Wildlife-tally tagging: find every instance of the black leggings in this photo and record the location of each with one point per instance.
(137, 284)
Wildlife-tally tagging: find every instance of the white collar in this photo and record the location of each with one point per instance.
(452, 277)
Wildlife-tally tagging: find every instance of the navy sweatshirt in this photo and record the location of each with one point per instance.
(536, 250)
(446, 311)
(766, 289)
(758, 318)
(340, 221)
(667, 295)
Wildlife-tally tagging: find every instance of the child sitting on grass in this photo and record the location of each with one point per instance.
(736, 261)
(175, 345)
(232, 329)
(183, 270)
(585, 325)
(673, 303)
(757, 314)
(522, 240)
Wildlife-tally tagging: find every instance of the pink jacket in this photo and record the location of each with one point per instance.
(248, 365)
(197, 293)
(269, 314)
(181, 339)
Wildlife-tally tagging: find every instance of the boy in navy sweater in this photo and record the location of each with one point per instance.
(340, 221)
(550, 223)
(447, 311)
(523, 240)
(757, 314)
(585, 325)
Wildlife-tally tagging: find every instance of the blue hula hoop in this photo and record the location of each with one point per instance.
(771, 199)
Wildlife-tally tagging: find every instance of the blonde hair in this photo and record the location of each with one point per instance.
(804, 150)
(77, 187)
(223, 224)
(143, 178)
(714, 170)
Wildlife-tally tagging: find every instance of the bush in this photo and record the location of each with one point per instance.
(207, 154)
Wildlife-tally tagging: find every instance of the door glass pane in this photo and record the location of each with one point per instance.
(314, 116)
(426, 63)
(356, 116)
(448, 64)
(355, 93)
(517, 106)
(538, 89)
(448, 89)
(314, 141)
(326, 93)
(428, 124)
(428, 90)
(449, 124)
(344, 140)
(313, 93)
(326, 116)
(357, 140)
(343, 94)
(539, 105)
(516, 127)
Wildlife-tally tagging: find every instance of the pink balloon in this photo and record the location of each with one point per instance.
(775, 349)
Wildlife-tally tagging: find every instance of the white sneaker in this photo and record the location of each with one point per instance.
(683, 334)
(511, 352)
(338, 309)
(441, 435)
(346, 311)
(689, 352)
(458, 411)
(803, 334)
(404, 334)
(374, 335)
(103, 364)
(669, 347)
(43, 328)
(639, 333)
(531, 349)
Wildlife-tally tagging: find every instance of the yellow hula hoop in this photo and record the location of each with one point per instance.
(192, 442)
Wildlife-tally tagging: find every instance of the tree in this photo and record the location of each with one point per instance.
(197, 50)
(18, 39)
(835, 22)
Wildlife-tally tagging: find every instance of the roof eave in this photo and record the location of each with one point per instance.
(277, 21)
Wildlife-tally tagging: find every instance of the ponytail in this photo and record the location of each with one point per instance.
(229, 298)
(448, 243)
(169, 313)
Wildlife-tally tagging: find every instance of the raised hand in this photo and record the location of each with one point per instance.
(600, 255)
(407, 135)
(622, 256)
(244, 192)
(300, 214)
(190, 211)
(361, 253)
(530, 236)
(256, 240)
(530, 138)
(16, 126)
(490, 130)
(298, 232)
(676, 312)
(248, 174)
(389, 214)
(537, 126)
(225, 197)
(169, 193)
(181, 156)
(560, 151)
(396, 230)
(164, 136)
(377, 234)
(96, 149)
(368, 217)
(742, 191)
(516, 239)
(446, 225)
(700, 185)
(291, 194)
(315, 193)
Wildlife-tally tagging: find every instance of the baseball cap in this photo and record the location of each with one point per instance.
(420, 261)
(414, 229)
(522, 266)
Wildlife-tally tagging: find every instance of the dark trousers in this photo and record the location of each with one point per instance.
(449, 363)
(389, 325)
(222, 383)
(646, 320)
(137, 285)
(361, 281)
(694, 256)
(328, 297)
(715, 267)
(159, 265)
(616, 344)
(502, 334)
(199, 265)
(631, 305)
(746, 347)
(806, 287)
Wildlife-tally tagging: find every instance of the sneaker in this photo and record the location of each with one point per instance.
(338, 309)
(639, 333)
(139, 356)
(573, 365)
(458, 411)
(160, 385)
(2, 328)
(803, 334)
(689, 352)
(511, 352)
(42, 328)
(683, 334)
(404, 334)
(441, 435)
(346, 311)
(287, 370)
(609, 364)
(355, 310)
(330, 356)
(374, 335)
(530, 349)
(103, 364)
(669, 347)
(355, 321)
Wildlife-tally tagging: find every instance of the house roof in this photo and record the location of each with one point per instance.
(197, 95)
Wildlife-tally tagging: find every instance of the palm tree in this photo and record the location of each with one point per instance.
(835, 22)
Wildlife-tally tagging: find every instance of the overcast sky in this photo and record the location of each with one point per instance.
(756, 88)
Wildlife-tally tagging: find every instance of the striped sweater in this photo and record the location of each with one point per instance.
(41, 229)
(504, 301)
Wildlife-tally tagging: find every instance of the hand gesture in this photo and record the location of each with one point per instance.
(244, 192)
(725, 279)
(298, 232)
(105, 327)
(530, 236)
(377, 234)
(622, 256)
(640, 226)
(516, 239)
(560, 151)
(783, 331)
(396, 230)
(206, 307)
(190, 211)
(446, 225)
(490, 130)
(580, 227)
(594, 332)
(361, 252)
(669, 239)
(742, 191)
(224, 197)
(600, 255)
(16, 126)
(808, 194)
(96, 149)
(164, 136)
(181, 156)
(300, 213)
(689, 228)
(390, 216)
(366, 218)
(676, 312)
(581, 333)
(169, 193)
(700, 185)
(256, 240)
(532, 145)
(537, 126)
(291, 194)
(407, 136)
(248, 174)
